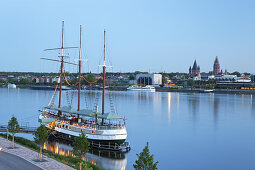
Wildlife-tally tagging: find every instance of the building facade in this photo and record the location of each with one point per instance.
(149, 79)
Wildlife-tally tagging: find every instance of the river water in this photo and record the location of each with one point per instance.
(184, 130)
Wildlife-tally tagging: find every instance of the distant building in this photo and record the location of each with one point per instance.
(216, 67)
(222, 77)
(149, 79)
(252, 78)
(131, 82)
(195, 70)
(4, 77)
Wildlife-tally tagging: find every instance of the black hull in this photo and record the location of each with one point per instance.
(114, 145)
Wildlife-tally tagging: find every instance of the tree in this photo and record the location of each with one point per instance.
(190, 82)
(41, 136)
(12, 81)
(145, 160)
(164, 81)
(81, 146)
(236, 73)
(91, 77)
(13, 127)
(131, 77)
(23, 81)
(2, 81)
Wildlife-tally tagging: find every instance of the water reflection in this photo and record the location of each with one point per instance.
(216, 102)
(193, 102)
(178, 101)
(169, 107)
(104, 159)
(251, 100)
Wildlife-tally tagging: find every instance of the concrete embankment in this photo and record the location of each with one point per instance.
(31, 156)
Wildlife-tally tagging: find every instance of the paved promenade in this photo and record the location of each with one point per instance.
(31, 156)
(10, 162)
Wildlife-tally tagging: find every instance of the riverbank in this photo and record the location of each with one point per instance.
(29, 151)
(192, 90)
(167, 89)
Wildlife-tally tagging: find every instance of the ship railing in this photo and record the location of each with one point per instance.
(92, 127)
(111, 146)
(109, 127)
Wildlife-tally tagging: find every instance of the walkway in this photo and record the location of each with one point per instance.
(10, 162)
(31, 156)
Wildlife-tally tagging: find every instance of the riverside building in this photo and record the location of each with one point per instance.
(149, 79)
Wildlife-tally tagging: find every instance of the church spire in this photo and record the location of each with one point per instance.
(216, 66)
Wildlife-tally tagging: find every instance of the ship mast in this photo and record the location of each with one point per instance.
(62, 63)
(79, 88)
(103, 81)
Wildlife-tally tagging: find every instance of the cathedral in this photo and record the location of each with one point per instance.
(216, 67)
(195, 70)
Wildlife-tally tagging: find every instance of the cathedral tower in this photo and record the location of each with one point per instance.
(216, 66)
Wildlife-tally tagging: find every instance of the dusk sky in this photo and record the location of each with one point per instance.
(142, 35)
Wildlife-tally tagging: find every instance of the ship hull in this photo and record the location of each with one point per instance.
(113, 139)
(72, 138)
(113, 145)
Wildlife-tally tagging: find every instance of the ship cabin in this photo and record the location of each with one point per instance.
(83, 118)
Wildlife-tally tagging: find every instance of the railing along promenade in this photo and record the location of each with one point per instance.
(23, 129)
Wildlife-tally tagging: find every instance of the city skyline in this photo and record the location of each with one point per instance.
(141, 36)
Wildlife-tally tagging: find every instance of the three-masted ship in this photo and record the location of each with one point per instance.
(103, 130)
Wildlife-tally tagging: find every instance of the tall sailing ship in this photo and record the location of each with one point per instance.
(103, 130)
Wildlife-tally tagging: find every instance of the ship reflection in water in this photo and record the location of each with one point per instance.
(104, 159)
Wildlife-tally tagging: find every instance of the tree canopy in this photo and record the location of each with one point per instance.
(41, 135)
(190, 82)
(81, 146)
(145, 160)
(13, 125)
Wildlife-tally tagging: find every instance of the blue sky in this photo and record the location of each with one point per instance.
(142, 35)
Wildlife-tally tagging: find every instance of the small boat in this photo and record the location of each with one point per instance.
(141, 88)
(207, 91)
(12, 86)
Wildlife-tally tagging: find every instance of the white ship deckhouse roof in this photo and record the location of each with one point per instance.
(110, 116)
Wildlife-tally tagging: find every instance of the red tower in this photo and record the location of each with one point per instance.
(216, 66)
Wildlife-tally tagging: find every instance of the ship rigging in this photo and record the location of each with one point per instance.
(103, 130)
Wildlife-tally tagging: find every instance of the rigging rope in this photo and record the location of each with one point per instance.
(68, 99)
(53, 94)
(92, 82)
(67, 80)
(86, 103)
(96, 101)
(111, 101)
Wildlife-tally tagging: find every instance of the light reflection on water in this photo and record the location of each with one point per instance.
(184, 130)
(105, 159)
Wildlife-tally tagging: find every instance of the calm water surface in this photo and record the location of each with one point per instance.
(184, 131)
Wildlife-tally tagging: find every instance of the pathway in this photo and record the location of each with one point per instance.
(31, 156)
